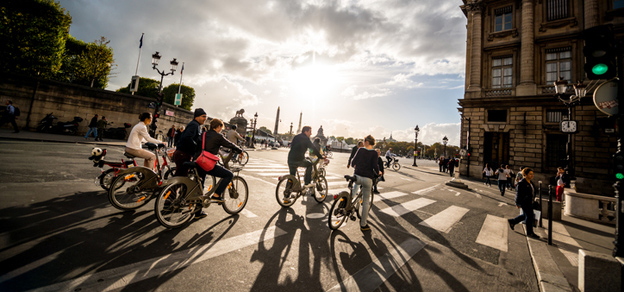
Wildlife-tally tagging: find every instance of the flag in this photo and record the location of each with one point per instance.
(141, 41)
(182, 70)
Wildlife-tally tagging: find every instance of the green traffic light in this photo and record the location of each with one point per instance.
(600, 69)
(619, 175)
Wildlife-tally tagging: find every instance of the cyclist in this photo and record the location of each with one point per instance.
(233, 136)
(365, 163)
(189, 142)
(296, 156)
(137, 135)
(389, 156)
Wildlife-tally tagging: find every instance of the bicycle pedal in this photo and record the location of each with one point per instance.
(352, 217)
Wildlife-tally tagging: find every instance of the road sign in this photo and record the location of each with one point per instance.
(178, 99)
(169, 113)
(605, 98)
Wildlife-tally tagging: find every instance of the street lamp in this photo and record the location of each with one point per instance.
(569, 126)
(159, 100)
(253, 133)
(416, 130)
(444, 141)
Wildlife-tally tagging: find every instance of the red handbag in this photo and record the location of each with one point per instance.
(206, 160)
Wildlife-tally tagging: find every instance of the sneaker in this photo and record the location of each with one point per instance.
(534, 236)
(375, 192)
(511, 225)
(365, 228)
(214, 199)
(200, 215)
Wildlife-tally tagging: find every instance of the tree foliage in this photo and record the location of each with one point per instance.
(33, 34)
(147, 87)
(87, 63)
(188, 95)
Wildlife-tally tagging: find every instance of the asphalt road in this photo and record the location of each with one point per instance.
(58, 232)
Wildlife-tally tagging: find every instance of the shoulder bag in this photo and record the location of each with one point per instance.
(206, 160)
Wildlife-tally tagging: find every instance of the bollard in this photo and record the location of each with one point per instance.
(550, 215)
(539, 190)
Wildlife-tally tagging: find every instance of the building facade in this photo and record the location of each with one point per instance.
(516, 50)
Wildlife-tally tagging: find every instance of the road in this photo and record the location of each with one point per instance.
(60, 233)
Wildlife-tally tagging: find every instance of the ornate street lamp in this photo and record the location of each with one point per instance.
(159, 100)
(569, 126)
(416, 130)
(253, 133)
(444, 141)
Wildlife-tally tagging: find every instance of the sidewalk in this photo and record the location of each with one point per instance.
(557, 265)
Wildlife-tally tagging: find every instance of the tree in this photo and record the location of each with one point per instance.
(33, 34)
(350, 141)
(188, 95)
(147, 88)
(87, 63)
(263, 128)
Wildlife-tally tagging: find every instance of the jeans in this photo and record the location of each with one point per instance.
(528, 216)
(502, 184)
(150, 158)
(292, 166)
(366, 184)
(487, 180)
(91, 130)
(225, 175)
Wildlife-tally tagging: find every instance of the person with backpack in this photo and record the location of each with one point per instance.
(92, 128)
(10, 112)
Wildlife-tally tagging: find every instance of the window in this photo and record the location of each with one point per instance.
(557, 9)
(617, 4)
(556, 116)
(556, 150)
(558, 64)
(497, 116)
(503, 18)
(502, 69)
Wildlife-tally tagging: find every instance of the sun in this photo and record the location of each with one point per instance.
(317, 81)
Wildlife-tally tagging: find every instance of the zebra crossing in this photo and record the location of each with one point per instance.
(272, 170)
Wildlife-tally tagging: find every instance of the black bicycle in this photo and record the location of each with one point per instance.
(345, 206)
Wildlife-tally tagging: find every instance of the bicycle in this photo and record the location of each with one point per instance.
(135, 186)
(289, 184)
(329, 153)
(322, 167)
(106, 176)
(241, 158)
(344, 206)
(176, 203)
(394, 164)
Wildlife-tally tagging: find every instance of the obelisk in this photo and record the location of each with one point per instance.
(299, 128)
(276, 122)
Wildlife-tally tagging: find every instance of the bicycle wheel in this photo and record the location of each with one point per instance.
(396, 166)
(171, 208)
(106, 178)
(322, 172)
(284, 190)
(170, 172)
(243, 158)
(321, 189)
(236, 196)
(329, 154)
(125, 192)
(337, 212)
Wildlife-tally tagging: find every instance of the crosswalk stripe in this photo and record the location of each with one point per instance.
(118, 278)
(276, 174)
(248, 213)
(337, 183)
(392, 195)
(407, 207)
(429, 189)
(273, 169)
(445, 220)
(560, 234)
(247, 166)
(379, 271)
(494, 233)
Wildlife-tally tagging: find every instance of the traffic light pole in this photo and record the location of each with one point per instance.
(618, 251)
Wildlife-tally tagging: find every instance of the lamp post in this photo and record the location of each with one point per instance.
(253, 133)
(444, 141)
(569, 126)
(159, 100)
(416, 130)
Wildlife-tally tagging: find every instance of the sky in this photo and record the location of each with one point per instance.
(353, 67)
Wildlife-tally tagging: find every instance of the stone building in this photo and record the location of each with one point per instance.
(516, 49)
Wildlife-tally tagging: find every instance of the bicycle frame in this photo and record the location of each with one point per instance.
(298, 187)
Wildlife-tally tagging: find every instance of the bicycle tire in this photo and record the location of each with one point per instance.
(122, 194)
(337, 212)
(107, 177)
(169, 173)
(396, 166)
(329, 154)
(244, 159)
(236, 196)
(323, 173)
(283, 190)
(171, 208)
(321, 190)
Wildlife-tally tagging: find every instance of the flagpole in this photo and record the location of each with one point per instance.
(139, 59)
(181, 73)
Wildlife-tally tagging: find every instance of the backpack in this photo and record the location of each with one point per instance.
(16, 111)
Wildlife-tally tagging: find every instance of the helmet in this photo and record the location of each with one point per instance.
(97, 152)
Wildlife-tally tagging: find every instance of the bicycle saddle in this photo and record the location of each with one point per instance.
(350, 178)
(126, 154)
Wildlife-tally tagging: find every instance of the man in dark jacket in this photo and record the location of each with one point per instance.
(525, 192)
(296, 156)
(189, 145)
(359, 145)
(92, 127)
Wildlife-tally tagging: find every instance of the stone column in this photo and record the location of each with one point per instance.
(527, 84)
(475, 9)
(591, 13)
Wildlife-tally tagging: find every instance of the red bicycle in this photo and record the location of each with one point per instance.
(106, 176)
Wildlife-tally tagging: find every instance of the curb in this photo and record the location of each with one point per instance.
(549, 277)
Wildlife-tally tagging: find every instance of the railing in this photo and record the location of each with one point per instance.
(590, 207)
(498, 92)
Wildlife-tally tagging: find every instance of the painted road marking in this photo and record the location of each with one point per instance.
(453, 191)
(407, 207)
(494, 233)
(248, 213)
(337, 183)
(119, 278)
(423, 191)
(445, 220)
(376, 273)
(391, 195)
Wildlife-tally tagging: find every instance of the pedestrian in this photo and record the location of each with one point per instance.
(137, 135)
(525, 194)
(510, 177)
(171, 135)
(451, 166)
(502, 179)
(488, 173)
(9, 116)
(519, 176)
(92, 127)
(177, 135)
(355, 148)
(381, 169)
(441, 163)
(365, 162)
(445, 165)
(561, 179)
(101, 126)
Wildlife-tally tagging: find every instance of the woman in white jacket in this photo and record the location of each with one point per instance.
(137, 135)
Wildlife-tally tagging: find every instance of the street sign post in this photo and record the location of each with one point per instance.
(178, 99)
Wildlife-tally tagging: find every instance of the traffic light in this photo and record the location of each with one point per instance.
(600, 58)
(618, 165)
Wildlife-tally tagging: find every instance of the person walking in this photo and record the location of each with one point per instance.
(9, 116)
(355, 148)
(451, 166)
(561, 179)
(510, 177)
(101, 126)
(137, 135)
(502, 179)
(488, 173)
(366, 165)
(177, 136)
(381, 169)
(171, 135)
(92, 127)
(441, 163)
(525, 193)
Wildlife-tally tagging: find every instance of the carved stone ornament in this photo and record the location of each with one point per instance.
(572, 22)
(502, 34)
(475, 5)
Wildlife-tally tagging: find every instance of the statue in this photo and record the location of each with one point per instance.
(239, 113)
(320, 132)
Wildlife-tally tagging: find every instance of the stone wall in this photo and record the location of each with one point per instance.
(36, 98)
